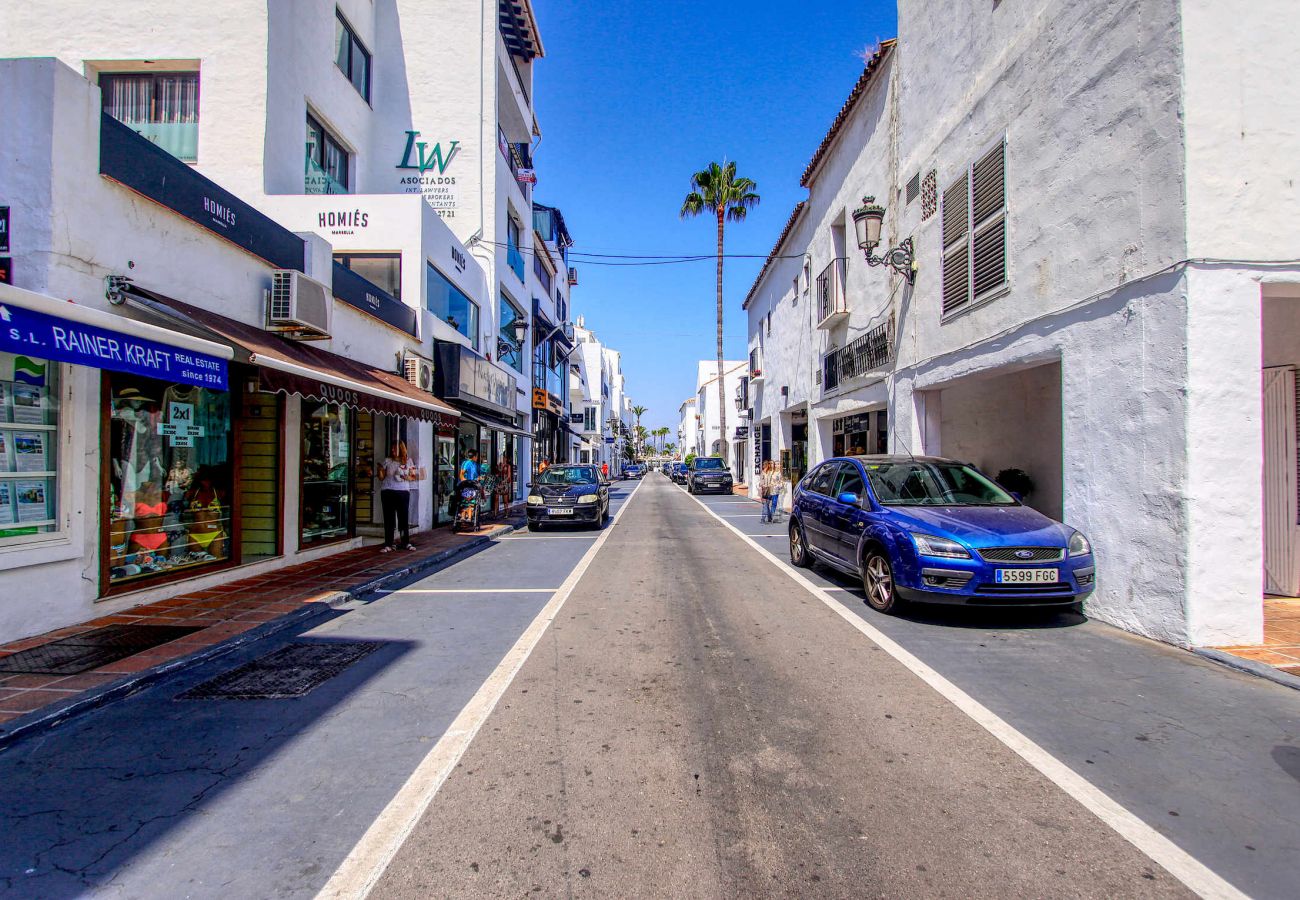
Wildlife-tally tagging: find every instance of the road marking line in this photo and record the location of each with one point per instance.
(549, 537)
(472, 591)
(781, 536)
(743, 516)
(361, 870)
(1198, 877)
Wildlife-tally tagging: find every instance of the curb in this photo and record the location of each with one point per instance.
(55, 714)
(1249, 666)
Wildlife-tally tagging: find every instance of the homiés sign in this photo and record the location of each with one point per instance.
(26, 332)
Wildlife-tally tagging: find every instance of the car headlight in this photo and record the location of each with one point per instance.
(1079, 545)
(535, 500)
(929, 545)
(588, 498)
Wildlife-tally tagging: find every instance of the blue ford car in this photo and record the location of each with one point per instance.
(936, 531)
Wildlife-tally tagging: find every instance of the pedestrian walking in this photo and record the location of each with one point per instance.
(396, 474)
(769, 490)
(604, 471)
(469, 474)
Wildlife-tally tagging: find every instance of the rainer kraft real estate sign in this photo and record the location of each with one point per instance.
(424, 171)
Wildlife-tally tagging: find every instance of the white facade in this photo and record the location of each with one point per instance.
(595, 388)
(709, 438)
(688, 428)
(1149, 198)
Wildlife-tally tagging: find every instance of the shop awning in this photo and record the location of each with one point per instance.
(293, 367)
(40, 326)
(488, 420)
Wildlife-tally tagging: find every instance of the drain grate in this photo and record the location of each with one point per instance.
(90, 649)
(289, 672)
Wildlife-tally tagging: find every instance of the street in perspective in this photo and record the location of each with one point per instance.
(601, 450)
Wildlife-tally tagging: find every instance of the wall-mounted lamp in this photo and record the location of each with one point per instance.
(867, 221)
(520, 328)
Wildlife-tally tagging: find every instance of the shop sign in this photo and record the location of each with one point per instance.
(850, 424)
(742, 431)
(147, 169)
(431, 178)
(30, 333)
(544, 399)
(179, 429)
(4, 228)
(526, 176)
(609, 440)
(6, 270)
(461, 374)
(358, 292)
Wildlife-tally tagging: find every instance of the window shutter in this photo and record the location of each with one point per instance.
(956, 253)
(988, 208)
(929, 195)
(913, 187)
(956, 221)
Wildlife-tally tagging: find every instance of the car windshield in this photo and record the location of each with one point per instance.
(708, 463)
(917, 483)
(568, 475)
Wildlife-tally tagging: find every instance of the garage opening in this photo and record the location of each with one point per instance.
(1281, 526)
(1008, 424)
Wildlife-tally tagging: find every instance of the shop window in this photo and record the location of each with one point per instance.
(160, 106)
(326, 163)
(170, 478)
(351, 56)
(383, 270)
(450, 303)
(327, 462)
(29, 420)
(510, 351)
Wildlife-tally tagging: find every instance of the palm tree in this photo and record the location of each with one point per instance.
(718, 190)
(640, 433)
(637, 411)
(670, 449)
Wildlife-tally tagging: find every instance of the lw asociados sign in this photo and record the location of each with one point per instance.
(429, 165)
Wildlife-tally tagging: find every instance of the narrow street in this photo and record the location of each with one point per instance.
(692, 723)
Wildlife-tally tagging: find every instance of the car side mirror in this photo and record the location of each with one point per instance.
(528, 485)
(849, 498)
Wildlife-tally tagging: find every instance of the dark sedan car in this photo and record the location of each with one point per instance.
(708, 473)
(938, 531)
(568, 495)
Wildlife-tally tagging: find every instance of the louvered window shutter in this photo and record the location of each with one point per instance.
(956, 246)
(988, 214)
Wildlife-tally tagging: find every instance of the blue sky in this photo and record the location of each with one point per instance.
(632, 98)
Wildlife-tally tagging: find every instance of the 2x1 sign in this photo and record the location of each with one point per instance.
(30, 333)
(4, 228)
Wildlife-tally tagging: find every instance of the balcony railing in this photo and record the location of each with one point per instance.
(180, 139)
(831, 306)
(861, 355)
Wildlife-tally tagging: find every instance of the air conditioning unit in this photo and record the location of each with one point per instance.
(419, 372)
(299, 307)
(573, 276)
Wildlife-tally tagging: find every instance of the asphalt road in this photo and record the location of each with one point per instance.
(693, 724)
(657, 709)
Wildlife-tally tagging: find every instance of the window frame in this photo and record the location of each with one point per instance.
(504, 299)
(327, 139)
(972, 231)
(354, 44)
(345, 257)
(475, 313)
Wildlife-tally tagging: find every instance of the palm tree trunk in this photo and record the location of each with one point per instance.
(722, 391)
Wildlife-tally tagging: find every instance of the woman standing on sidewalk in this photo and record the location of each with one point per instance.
(769, 489)
(396, 473)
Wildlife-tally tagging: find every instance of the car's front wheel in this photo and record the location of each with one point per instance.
(799, 547)
(878, 583)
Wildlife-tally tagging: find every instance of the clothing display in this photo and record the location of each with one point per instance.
(169, 451)
(327, 462)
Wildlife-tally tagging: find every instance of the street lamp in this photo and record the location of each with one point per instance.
(520, 328)
(867, 220)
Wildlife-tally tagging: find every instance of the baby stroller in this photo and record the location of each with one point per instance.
(469, 499)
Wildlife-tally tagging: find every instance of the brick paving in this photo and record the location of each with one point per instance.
(222, 613)
(1281, 647)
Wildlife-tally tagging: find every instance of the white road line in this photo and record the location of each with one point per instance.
(743, 516)
(472, 591)
(781, 536)
(361, 870)
(1198, 877)
(549, 537)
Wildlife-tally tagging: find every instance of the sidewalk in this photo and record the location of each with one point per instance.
(1281, 647)
(217, 615)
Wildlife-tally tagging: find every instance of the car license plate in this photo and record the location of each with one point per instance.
(1027, 576)
(561, 511)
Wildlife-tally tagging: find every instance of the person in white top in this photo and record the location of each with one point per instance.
(396, 475)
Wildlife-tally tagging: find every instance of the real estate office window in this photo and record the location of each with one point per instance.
(351, 56)
(974, 228)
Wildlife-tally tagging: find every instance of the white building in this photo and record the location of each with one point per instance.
(1100, 196)
(595, 391)
(688, 428)
(709, 438)
(296, 142)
